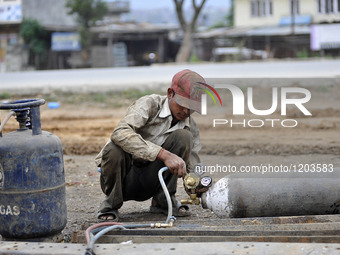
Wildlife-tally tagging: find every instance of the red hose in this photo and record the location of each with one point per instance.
(88, 230)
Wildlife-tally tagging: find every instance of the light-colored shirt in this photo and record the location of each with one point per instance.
(146, 126)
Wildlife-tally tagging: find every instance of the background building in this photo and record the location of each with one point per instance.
(259, 13)
(115, 43)
(276, 29)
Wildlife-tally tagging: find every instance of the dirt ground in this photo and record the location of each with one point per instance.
(85, 127)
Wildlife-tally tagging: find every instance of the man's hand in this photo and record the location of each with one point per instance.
(175, 164)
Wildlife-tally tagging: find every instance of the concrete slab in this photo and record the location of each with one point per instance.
(172, 248)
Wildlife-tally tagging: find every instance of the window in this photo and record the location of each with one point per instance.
(328, 6)
(294, 7)
(261, 8)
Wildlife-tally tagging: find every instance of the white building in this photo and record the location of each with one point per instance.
(259, 13)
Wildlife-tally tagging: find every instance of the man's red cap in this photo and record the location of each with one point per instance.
(186, 85)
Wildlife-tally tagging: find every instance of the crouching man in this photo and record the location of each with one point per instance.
(156, 131)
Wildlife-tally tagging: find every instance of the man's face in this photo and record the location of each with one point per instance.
(177, 111)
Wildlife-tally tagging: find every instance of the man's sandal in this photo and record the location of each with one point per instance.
(112, 215)
(180, 211)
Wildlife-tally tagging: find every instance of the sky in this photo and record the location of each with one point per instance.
(214, 11)
(149, 4)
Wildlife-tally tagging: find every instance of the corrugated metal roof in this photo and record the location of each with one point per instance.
(226, 31)
(253, 31)
(133, 28)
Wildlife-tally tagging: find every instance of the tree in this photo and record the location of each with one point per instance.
(228, 19)
(230, 16)
(35, 36)
(188, 27)
(88, 12)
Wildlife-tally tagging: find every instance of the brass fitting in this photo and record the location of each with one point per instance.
(164, 225)
(191, 181)
(194, 200)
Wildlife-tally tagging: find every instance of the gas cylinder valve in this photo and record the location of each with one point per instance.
(193, 184)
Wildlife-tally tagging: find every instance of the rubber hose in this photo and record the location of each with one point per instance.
(5, 120)
(166, 192)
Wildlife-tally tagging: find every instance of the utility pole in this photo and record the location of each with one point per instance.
(293, 16)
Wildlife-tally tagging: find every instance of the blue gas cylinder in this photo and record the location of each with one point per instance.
(32, 178)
